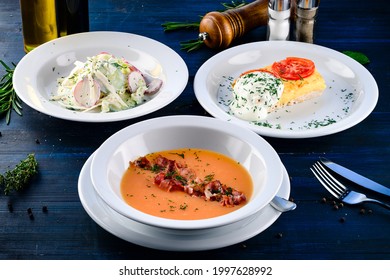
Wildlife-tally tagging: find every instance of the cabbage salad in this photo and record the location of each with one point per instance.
(105, 82)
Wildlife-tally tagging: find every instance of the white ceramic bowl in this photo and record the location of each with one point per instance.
(174, 132)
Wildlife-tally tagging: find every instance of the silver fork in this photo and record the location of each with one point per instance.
(340, 191)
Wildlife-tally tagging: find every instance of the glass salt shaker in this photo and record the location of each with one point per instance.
(305, 17)
(278, 27)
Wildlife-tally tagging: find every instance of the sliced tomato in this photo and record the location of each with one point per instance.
(293, 68)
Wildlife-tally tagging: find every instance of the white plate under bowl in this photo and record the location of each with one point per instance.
(35, 76)
(168, 239)
(112, 158)
(350, 96)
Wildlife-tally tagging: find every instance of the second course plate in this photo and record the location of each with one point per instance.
(351, 93)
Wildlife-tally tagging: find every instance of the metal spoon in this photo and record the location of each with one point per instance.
(282, 204)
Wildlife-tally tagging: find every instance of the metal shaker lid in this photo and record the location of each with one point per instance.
(308, 4)
(279, 5)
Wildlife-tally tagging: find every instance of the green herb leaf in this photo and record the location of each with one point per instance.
(358, 56)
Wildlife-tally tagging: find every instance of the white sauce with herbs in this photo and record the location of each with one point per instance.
(255, 94)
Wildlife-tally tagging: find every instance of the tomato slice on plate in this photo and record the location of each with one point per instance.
(293, 68)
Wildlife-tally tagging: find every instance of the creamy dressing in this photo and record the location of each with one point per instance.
(255, 94)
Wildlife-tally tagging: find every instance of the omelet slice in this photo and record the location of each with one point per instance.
(296, 91)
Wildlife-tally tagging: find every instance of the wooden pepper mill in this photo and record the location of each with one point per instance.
(219, 29)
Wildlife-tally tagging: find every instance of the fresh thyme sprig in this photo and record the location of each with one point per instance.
(195, 44)
(18, 178)
(9, 100)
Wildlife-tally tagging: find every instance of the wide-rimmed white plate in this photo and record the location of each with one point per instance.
(350, 96)
(173, 240)
(35, 76)
(242, 145)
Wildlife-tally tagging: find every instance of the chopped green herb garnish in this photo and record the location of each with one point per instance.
(209, 178)
(178, 154)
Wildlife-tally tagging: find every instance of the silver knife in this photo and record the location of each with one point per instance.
(355, 177)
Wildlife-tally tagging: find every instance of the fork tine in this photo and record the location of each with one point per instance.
(335, 183)
(319, 176)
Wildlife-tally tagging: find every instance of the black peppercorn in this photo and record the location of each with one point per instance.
(279, 235)
(30, 214)
(10, 207)
(44, 209)
(342, 219)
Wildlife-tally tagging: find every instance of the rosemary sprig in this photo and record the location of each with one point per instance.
(18, 178)
(175, 25)
(191, 45)
(8, 98)
(195, 44)
(233, 5)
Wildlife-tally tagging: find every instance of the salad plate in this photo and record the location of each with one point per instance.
(36, 76)
(350, 96)
(170, 239)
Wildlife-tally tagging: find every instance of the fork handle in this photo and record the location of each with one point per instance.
(387, 206)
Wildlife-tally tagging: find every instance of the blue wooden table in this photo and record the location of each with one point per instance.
(313, 231)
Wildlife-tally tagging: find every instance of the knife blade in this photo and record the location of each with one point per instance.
(355, 177)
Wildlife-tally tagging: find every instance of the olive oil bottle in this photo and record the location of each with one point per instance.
(39, 22)
(72, 16)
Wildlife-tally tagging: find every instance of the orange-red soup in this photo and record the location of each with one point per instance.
(139, 191)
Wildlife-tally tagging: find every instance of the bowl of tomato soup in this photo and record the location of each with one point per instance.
(186, 172)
